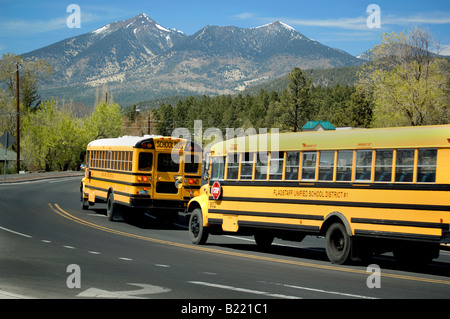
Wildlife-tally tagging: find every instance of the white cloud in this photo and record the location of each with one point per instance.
(444, 49)
(245, 16)
(343, 23)
(355, 23)
(27, 27)
(19, 27)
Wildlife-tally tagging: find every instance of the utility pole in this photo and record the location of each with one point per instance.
(18, 117)
(149, 123)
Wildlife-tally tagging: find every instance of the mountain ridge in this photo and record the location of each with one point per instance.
(138, 59)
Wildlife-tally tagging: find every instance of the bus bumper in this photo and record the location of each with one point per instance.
(148, 203)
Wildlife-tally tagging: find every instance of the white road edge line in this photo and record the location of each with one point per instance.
(251, 291)
(125, 258)
(17, 233)
(325, 291)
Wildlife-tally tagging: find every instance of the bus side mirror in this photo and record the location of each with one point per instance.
(83, 167)
(179, 182)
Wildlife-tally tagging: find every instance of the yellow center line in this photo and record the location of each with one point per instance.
(57, 209)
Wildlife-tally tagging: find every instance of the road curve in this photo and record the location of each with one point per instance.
(50, 248)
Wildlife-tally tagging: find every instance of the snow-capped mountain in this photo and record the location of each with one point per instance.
(139, 59)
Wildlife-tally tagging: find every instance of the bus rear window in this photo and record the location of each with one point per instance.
(145, 161)
(167, 164)
(191, 164)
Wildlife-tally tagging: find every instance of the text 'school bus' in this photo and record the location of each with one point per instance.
(143, 173)
(365, 190)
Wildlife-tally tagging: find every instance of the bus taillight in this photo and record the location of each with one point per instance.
(192, 181)
(144, 179)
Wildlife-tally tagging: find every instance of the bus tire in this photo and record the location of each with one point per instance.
(197, 233)
(338, 244)
(263, 239)
(112, 209)
(84, 201)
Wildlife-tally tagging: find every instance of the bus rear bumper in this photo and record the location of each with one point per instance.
(148, 203)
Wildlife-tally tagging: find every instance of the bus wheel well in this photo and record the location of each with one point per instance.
(335, 217)
(193, 206)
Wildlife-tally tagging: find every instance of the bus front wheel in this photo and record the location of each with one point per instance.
(338, 244)
(198, 233)
(84, 201)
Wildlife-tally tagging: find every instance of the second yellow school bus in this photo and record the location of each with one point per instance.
(141, 173)
(364, 190)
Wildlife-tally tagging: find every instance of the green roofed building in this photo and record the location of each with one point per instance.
(318, 126)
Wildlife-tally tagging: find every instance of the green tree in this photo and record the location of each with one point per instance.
(105, 122)
(32, 72)
(359, 110)
(51, 139)
(299, 108)
(165, 121)
(407, 83)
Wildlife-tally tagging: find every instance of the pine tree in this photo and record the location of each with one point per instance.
(299, 108)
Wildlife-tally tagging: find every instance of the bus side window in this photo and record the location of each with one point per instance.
(261, 166)
(233, 166)
(292, 163)
(383, 165)
(363, 165)
(276, 165)
(326, 165)
(217, 168)
(344, 166)
(404, 166)
(247, 165)
(426, 166)
(309, 165)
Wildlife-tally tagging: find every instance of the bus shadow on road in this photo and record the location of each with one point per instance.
(144, 220)
(313, 253)
(385, 261)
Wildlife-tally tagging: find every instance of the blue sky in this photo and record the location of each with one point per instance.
(28, 25)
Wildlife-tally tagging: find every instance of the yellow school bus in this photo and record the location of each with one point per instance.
(364, 190)
(141, 173)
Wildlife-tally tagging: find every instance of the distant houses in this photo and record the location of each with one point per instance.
(318, 126)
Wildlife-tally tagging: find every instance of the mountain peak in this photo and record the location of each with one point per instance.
(276, 24)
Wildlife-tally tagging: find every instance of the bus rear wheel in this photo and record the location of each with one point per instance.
(338, 244)
(197, 233)
(112, 209)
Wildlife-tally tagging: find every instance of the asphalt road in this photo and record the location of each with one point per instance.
(50, 248)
